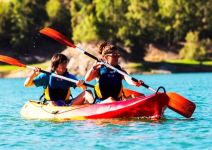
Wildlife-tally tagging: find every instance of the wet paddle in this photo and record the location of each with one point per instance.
(177, 103)
(15, 62)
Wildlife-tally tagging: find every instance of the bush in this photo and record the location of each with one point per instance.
(193, 49)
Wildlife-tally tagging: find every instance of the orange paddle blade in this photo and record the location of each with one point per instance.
(57, 36)
(131, 93)
(180, 104)
(11, 61)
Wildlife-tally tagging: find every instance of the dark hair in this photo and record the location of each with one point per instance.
(107, 48)
(58, 59)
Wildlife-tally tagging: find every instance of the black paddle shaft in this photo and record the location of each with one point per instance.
(95, 58)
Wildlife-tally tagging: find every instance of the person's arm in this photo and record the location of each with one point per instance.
(93, 72)
(131, 82)
(29, 80)
(80, 83)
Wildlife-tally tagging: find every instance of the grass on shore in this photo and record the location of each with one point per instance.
(4, 69)
(143, 67)
(189, 62)
(10, 68)
(135, 67)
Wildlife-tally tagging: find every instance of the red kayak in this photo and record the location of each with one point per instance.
(152, 106)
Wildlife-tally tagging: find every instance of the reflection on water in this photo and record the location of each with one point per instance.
(126, 121)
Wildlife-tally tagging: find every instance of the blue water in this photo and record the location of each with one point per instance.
(174, 132)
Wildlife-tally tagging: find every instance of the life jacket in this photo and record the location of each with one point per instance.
(109, 84)
(56, 94)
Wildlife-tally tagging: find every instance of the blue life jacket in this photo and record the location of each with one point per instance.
(55, 88)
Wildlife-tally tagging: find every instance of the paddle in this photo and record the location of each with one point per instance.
(177, 103)
(64, 40)
(180, 104)
(15, 62)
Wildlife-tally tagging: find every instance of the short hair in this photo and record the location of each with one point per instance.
(58, 59)
(107, 48)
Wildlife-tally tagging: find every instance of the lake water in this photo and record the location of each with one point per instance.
(174, 132)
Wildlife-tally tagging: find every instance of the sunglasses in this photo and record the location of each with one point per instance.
(113, 55)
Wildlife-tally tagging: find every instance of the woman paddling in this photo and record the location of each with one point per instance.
(58, 90)
(109, 86)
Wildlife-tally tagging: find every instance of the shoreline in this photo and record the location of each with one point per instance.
(80, 64)
(150, 69)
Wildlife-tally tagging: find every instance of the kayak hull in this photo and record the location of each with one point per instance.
(151, 106)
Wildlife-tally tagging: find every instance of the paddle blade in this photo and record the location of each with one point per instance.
(57, 36)
(131, 94)
(11, 61)
(180, 104)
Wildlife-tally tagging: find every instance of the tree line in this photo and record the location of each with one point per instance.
(133, 23)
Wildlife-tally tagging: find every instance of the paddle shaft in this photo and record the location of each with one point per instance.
(15, 62)
(111, 67)
(59, 76)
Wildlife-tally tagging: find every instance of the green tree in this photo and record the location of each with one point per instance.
(173, 15)
(121, 21)
(111, 18)
(14, 26)
(22, 20)
(204, 12)
(83, 21)
(59, 15)
(193, 48)
(178, 17)
(140, 26)
(134, 23)
(5, 10)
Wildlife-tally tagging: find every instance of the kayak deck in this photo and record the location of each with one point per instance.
(152, 106)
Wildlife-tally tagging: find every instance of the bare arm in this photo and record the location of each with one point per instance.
(29, 80)
(131, 82)
(80, 83)
(93, 72)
